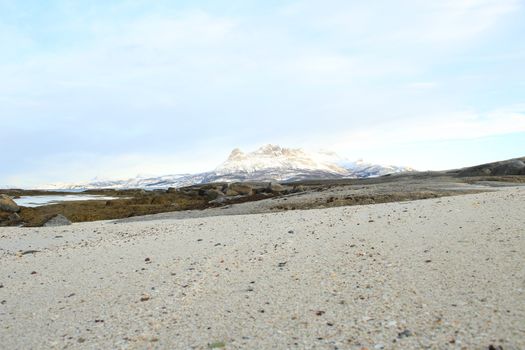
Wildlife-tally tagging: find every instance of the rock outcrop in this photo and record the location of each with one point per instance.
(57, 220)
(213, 194)
(8, 205)
(237, 188)
(276, 187)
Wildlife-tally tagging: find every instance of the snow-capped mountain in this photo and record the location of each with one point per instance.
(267, 163)
(275, 157)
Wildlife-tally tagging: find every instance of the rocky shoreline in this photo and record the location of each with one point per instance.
(313, 194)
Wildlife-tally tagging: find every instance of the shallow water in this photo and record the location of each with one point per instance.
(37, 201)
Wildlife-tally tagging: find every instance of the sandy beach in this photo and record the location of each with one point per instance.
(442, 273)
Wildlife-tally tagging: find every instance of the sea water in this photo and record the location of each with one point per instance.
(37, 201)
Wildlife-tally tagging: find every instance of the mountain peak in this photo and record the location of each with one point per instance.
(276, 158)
(236, 154)
(270, 149)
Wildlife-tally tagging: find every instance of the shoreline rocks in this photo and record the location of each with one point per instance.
(238, 188)
(275, 187)
(8, 205)
(57, 220)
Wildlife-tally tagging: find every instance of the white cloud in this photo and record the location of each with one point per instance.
(451, 126)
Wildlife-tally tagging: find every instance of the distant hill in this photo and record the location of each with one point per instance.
(514, 166)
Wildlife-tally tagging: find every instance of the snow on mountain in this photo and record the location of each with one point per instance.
(362, 169)
(275, 157)
(179, 180)
(270, 162)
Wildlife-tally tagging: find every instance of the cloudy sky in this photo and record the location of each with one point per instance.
(113, 89)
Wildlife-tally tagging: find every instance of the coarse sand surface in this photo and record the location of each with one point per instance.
(443, 273)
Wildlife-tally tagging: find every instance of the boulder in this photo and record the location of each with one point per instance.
(214, 194)
(8, 205)
(14, 217)
(231, 193)
(240, 188)
(4, 218)
(57, 220)
(298, 188)
(11, 220)
(190, 191)
(276, 187)
(219, 200)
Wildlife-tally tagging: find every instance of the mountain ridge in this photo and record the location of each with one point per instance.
(267, 163)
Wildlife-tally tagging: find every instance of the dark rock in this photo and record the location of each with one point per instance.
(404, 334)
(14, 217)
(495, 347)
(57, 220)
(219, 200)
(298, 188)
(32, 251)
(213, 194)
(172, 190)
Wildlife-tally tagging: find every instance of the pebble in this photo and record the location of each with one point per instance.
(404, 334)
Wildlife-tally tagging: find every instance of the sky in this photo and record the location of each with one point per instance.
(115, 89)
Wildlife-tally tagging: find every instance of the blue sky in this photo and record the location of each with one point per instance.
(114, 89)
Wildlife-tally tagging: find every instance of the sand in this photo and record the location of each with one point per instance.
(444, 273)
